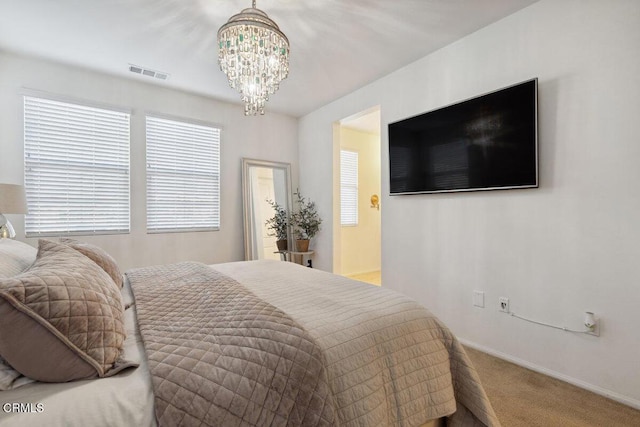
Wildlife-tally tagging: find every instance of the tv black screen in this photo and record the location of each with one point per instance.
(485, 143)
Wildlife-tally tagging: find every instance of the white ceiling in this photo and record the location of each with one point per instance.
(337, 46)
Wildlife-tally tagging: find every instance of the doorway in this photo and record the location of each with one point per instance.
(357, 211)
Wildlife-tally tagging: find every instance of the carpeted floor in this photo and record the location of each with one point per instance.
(522, 397)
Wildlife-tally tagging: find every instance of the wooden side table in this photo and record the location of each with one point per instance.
(300, 257)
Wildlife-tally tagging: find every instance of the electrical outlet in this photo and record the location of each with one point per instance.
(592, 324)
(478, 299)
(503, 304)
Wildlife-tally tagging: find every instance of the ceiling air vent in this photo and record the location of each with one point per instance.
(148, 72)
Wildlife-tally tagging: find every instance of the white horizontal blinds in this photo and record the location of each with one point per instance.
(183, 176)
(348, 187)
(76, 168)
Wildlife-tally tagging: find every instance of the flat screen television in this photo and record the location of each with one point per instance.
(485, 143)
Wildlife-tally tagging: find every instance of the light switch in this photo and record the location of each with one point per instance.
(478, 299)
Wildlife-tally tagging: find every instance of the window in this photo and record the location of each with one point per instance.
(183, 176)
(348, 187)
(76, 168)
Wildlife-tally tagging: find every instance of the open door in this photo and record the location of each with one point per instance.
(358, 182)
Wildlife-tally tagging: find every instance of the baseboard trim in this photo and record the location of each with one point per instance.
(557, 375)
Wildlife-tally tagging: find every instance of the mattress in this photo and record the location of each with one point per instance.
(127, 399)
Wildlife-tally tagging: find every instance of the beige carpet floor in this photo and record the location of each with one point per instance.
(522, 397)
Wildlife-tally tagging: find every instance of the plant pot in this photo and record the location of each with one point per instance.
(302, 245)
(282, 245)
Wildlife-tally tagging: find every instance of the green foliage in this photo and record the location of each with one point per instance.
(279, 222)
(306, 219)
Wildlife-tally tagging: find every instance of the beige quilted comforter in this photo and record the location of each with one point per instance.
(287, 345)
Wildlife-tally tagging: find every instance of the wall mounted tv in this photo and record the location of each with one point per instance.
(485, 143)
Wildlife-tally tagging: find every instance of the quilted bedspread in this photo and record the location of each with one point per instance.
(220, 356)
(383, 359)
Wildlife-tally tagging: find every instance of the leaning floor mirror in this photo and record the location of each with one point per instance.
(265, 185)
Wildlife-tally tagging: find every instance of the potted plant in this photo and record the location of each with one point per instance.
(306, 222)
(278, 223)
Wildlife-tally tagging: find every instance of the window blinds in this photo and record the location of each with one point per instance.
(348, 187)
(183, 176)
(76, 168)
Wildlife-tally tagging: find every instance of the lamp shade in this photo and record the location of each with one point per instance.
(12, 199)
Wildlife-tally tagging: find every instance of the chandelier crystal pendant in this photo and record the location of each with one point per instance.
(254, 54)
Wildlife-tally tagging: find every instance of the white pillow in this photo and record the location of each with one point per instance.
(15, 257)
(10, 378)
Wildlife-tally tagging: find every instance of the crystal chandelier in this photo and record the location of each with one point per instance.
(254, 54)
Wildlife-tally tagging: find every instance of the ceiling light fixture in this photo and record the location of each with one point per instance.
(254, 54)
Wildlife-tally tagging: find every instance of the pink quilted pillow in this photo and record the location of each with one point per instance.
(62, 319)
(97, 255)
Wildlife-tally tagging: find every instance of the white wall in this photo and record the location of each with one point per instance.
(556, 251)
(270, 137)
(360, 244)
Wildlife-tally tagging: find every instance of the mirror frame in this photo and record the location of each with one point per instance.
(249, 235)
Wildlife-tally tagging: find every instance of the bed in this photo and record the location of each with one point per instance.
(263, 343)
